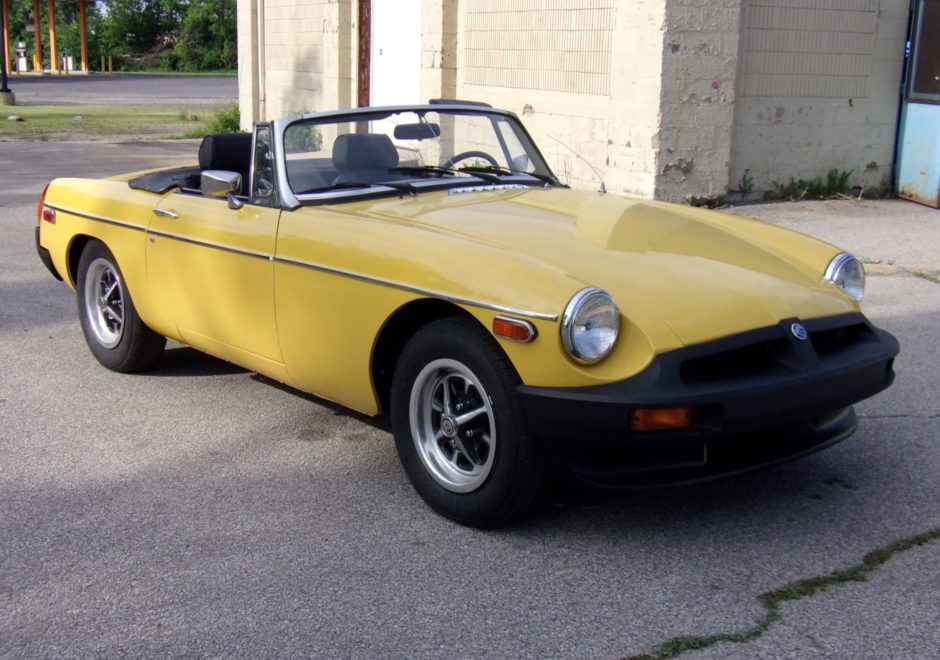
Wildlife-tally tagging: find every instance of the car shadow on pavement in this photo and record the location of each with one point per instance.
(183, 361)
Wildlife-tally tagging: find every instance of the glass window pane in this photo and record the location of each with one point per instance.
(925, 73)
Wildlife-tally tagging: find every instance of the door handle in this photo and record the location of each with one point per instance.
(166, 214)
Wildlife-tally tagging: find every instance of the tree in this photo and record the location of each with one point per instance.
(207, 38)
(183, 35)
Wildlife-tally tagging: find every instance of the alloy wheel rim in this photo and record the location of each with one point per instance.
(104, 303)
(453, 425)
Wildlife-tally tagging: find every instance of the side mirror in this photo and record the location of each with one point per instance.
(219, 184)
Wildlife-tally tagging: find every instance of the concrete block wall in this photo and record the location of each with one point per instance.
(700, 57)
(819, 82)
(582, 74)
(673, 99)
(439, 49)
(299, 57)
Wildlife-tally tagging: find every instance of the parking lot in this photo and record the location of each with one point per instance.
(198, 509)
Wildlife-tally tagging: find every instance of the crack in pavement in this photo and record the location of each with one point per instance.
(926, 275)
(901, 416)
(793, 591)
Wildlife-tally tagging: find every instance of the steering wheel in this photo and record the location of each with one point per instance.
(464, 155)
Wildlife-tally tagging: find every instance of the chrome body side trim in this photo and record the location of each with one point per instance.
(211, 244)
(544, 316)
(98, 218)
(503, 309)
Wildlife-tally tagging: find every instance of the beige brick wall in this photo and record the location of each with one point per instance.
(585, 73)
(668, 98)
(818, 89)
(307, 54)
(700, 57)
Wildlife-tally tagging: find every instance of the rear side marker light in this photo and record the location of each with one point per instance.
(48, 215)
(514, 329)
(660, 419)
(40, 208)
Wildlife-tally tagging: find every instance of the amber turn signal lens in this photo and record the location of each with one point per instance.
(660, 419)
(515, 329)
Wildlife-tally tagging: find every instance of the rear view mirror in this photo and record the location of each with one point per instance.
(219, 184)
(423, 131)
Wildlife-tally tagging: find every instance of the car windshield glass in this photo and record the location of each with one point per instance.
(376, 148)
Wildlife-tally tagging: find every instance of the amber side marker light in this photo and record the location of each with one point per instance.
(43, 213)
(660, 419)
(515, 329)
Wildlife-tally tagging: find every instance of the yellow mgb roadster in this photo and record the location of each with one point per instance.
(425, 262)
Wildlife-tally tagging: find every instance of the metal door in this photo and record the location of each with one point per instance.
(919, 157)
(396, 52)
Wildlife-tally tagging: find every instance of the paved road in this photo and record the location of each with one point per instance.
(200, 510)
(164, 91)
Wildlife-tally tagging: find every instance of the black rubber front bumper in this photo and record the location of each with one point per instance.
(45, 257)
(757, 398)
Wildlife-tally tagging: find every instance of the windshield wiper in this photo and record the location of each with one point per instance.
(419, 169)
(505, 171)
(347, 185)
(437, 169)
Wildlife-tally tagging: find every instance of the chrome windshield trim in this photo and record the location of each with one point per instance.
(211, 244)
(98, 218)
(544, 316)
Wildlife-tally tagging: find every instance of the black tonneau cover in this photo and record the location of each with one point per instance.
(166, 180)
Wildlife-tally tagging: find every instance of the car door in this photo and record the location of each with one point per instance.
(210, 267)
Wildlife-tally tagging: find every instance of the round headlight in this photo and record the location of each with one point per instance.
(848, 273)
(590, 325)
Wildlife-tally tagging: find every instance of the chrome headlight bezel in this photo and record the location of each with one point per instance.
(597, 303)
(847, 272)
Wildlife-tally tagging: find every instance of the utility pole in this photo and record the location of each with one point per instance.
(6, 96)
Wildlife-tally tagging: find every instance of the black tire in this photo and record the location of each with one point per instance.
(487, 470)
(117, 337)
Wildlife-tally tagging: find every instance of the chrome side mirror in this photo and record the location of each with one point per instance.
(219, 184)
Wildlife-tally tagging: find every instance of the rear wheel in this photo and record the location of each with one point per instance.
(113, 331)
(459, 429)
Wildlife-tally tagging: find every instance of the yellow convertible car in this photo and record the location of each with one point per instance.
(424, 261)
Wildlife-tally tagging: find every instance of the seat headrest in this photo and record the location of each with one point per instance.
(225, 151)
(370, 151)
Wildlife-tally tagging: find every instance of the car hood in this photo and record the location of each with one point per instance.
(704, 274)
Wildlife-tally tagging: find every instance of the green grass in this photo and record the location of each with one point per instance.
(180, 74)
(66, 122)
(223, 120)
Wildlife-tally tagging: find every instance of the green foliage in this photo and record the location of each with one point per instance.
(300, 139)
(139, 35)
(226, 120)
(838, 182)
(746, 184)
(206, 38)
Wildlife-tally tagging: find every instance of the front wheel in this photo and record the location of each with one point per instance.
(117, 337)
(459, 429)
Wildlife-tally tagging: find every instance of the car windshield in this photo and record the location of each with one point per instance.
(409, 150)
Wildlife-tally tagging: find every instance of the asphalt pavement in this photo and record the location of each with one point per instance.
(200, 510)
(130, 90)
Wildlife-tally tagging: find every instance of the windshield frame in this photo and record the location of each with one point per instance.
(507, 181)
